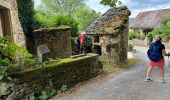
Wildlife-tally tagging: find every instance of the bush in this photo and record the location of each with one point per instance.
(26, 15)
(132, 35)
(66, 20)
(9, 55)
(142, 36)
(155, 32)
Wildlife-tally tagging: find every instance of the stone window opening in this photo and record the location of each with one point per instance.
(5, 22)
(97, 49)
(96, 39)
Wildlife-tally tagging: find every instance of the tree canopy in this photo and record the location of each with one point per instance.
(77, 9)
(62, 7)
(111, 3)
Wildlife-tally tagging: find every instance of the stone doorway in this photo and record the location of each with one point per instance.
(5, 22)
(1, 24)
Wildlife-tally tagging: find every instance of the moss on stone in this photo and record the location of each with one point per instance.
(63, 27)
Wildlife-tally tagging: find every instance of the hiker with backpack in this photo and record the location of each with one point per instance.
(156, 53)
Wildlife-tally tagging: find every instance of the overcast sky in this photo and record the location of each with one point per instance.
(135, 6)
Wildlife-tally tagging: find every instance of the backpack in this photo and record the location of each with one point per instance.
(154, 52)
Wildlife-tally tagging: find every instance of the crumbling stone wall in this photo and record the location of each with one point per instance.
(112, 29)
(17, 31)
(67, 72)
(58, 40)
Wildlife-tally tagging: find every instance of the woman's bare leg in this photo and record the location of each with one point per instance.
(148, 73)
(162, 72)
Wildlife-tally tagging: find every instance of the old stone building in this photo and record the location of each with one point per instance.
(145, 22)
(110, 35)
(9, 22)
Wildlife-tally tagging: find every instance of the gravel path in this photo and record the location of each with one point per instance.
(126, 85)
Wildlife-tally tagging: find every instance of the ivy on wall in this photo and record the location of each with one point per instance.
(26, 15)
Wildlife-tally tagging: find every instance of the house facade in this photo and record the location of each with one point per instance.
(9, 22)
(145, 22)
(110, 35)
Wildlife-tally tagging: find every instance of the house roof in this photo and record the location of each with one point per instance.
(112, 20)
(150, 19)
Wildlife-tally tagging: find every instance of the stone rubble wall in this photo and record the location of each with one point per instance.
(57, 40)
(67, 72)
(112, 28)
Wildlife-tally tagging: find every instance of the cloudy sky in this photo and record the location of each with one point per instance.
(135, 6)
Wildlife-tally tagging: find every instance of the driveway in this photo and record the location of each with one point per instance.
(126, 85)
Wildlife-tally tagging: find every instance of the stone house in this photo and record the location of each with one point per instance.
(9, 22)
(146, 21)
(110, 35)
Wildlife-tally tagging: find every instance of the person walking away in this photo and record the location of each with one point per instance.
(82, 38)
(156, 53)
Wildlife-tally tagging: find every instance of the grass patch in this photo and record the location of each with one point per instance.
(108, 68)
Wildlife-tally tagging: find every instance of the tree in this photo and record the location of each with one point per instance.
(48, 11)
(111, 3)
(164, 30)
(62, 7)
(85, 17)
(26, 16)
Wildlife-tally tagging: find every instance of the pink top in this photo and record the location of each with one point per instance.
(81, 38)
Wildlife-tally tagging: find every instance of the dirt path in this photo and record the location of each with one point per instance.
(127, 85)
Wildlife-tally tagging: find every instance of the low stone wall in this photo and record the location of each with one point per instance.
(58, 40)
(144, 43)
(66, 72)
(138, 42)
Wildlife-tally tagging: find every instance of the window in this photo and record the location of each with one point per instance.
(5, 22)
(96, 39)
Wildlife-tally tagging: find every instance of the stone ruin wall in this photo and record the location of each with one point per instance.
(113, 31)
(57, 40)
(17, 31)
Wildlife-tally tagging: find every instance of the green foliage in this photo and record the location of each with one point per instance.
(74, 46)
(142, 36)
(31, 96)
(26, 15)
(51, 92)
(69, 9)
(85, 17)
(132, 35)
(164, 22)
(164, 30)
(9, 53)
(47, 93)
(57, 21)
(155, 32)
(88, 41)
(3, 70)
(61, 7)
(66, 20)
(111, 3)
